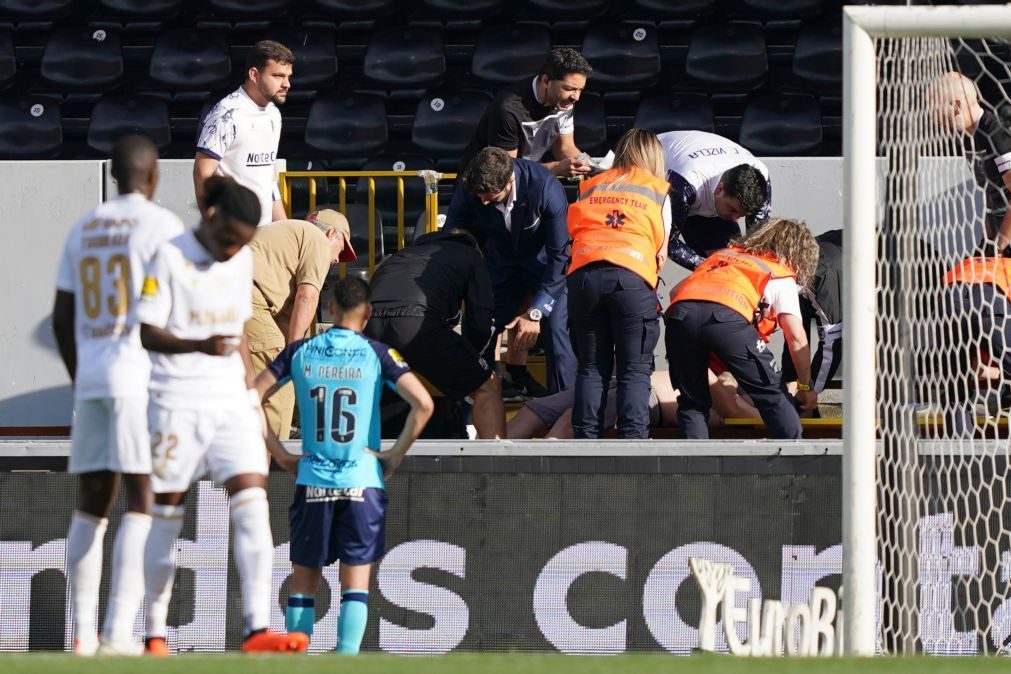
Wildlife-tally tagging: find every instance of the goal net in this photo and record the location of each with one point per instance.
(942, 354)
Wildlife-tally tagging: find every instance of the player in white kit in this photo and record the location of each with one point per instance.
(240, 134)
(95, 321)
(202, 416)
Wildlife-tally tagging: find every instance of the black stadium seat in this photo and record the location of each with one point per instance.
(671, 9)
(8, 62)
(187, 59)
(83, 58)
(341, 9)
(782, 125)
(445, 122)
(405, 58)
(115, 116)
(358, 220)
(591, 125)
(463, 8)
(786, 9)
(728, 56)
(505, 53)
(623, 56)
(251, 8)
(315, 52)
(347, 127)
(30, 128)
(386, 193)
(817, 59)
(580, 9)
(143, 9)
(675, 112)
(29, 10)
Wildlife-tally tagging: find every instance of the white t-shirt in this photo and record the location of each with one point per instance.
(103, 267)
(243, 137)
(701, 159)
(783, 296)
(193, 297)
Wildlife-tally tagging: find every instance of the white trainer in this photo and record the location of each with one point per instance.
(128, 648)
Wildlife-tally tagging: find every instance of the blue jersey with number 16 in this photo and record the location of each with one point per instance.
(338, 378)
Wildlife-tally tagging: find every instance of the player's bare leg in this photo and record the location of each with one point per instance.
(254, 555)
(489, 412)
(96, 492)
(354, 615)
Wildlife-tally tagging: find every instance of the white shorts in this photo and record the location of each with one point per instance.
(186, 444)
(110, 434)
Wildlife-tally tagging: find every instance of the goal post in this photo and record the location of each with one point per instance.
(890, 170)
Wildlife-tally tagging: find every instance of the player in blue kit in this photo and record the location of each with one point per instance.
(339, 511)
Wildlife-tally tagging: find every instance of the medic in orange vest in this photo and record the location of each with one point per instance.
(619, 227)
(728, 308)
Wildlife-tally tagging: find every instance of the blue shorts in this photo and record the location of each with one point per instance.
(337, 524)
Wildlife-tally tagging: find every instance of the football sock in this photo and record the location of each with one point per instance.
(351, 623)
(127, 588)
(301, 614)
(84, 567)
(254, 554)
(160, 566)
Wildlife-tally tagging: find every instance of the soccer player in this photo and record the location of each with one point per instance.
(95, 321)
(339, 511)
(240, 134)
(714, 182)
(202, 416)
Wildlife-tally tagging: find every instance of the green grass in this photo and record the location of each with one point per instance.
(508, 663)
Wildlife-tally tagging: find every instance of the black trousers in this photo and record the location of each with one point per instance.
(696, 329)
(614, 318)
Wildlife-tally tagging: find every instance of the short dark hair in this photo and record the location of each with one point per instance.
(351, 292)
(232, 200)
(564, 61)
(268, 50)
(488, 171)
(747, 184)
(133, 158)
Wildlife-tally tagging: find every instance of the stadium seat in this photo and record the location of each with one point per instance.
(83, 58)
(340, 9)
(675, 112)
(463, 8)
(623, 56)
(445, 122)
(115, 116)
(405, 58)
(8, 61)
(782, 125)
(315, 52)
(30, 128)
(505, 53)
(142, 9)
(248, 8)
(728, 57)
(671, 9)
(34, 9)
(786, 9)
(591, 125)
(566, 8)
(188, 59)
(421, 223)
(386, 193)
(358, 220)
(347, 127)
(817, 59)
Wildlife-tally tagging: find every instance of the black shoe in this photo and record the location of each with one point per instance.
(526, 385)
(510, 394)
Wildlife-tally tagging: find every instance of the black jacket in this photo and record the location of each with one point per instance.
(431, 277)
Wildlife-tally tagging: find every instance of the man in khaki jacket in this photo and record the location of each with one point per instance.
(291, 260)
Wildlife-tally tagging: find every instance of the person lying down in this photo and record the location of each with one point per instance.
(551, 416)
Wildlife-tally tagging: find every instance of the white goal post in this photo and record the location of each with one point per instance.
(863, 28)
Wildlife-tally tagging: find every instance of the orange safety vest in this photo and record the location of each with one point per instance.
(619, 222)
(736, 280)
(982, 270)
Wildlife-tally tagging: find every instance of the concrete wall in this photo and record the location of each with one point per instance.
(40, 200)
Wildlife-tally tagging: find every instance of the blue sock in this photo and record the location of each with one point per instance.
(301, 614)
(351, 623)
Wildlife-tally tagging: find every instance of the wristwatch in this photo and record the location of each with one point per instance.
(534, 314)
(803, 387)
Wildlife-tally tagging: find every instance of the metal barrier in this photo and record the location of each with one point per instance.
(431, 178)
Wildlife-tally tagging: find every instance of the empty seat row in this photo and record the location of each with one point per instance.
(355, 128)
(723, 57)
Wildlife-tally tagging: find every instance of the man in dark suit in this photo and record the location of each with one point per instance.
(517, 210)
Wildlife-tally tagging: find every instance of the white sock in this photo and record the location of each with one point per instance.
(127, 588)
(84, 568)
(160, 565)
(254, 554)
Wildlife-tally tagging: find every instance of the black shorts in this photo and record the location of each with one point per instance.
(328, 525)
(432, 349)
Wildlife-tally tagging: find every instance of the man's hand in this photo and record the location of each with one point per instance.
(808, 400)
(286, 460)
(390, 458)
(525, 332)
(219, 345)
(661, 259)
(571, 167)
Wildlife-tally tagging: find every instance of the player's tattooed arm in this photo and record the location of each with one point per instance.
(63, 329)
(161, 340)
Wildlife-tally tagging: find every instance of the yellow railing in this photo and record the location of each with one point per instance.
(433, 179)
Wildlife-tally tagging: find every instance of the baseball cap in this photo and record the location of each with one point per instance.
(335, 219)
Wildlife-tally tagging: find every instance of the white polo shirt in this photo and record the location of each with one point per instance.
(243, 137)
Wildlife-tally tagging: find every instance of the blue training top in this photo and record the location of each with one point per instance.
(338, 377)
